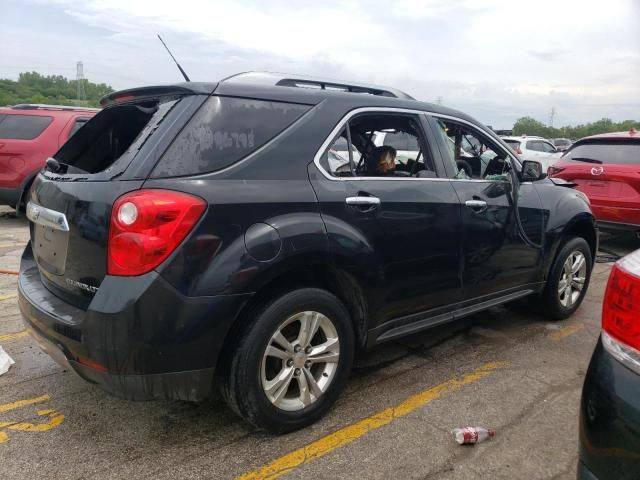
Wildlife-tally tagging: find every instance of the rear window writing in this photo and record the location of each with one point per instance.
(621, 152)
(23, 127)
(224, 131)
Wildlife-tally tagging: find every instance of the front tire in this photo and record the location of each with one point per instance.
(568, 279)
(291, 362)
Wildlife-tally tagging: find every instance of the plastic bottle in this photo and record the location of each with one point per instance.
(467, 435)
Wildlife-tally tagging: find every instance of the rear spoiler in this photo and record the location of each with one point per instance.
(154, 92)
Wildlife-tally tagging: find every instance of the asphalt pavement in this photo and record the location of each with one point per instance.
(507, 368)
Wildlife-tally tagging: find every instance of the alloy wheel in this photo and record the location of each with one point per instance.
(574, 274)
(300, 360)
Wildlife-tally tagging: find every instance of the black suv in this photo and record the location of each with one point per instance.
(254, 234)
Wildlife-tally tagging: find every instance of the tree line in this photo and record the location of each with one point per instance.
(33, 87)
(531, 126)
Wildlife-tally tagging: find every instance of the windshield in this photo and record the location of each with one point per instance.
(611, 152)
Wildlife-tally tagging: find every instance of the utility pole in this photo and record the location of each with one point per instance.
(80, 93)
(439, 100)
(552, 116)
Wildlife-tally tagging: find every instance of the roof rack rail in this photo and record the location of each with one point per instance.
(301, 81)
(42, 106)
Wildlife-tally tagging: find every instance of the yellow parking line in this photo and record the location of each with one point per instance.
(9, 296)
(349, 434)
(12, 336)
(22, 403)
(566, 331)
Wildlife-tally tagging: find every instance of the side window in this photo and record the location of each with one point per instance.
(382, 145)
(224, 131)
(472, 154)
(336, 159)
(23, 127)
(515, 145)
(534, 145)
(77, 124)
(547, 147)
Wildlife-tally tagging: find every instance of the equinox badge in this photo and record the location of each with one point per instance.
(82, 286)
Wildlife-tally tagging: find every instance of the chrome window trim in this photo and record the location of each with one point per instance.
(343, 121)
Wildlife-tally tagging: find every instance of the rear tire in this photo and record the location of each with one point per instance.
(568, 279)
(277, 379)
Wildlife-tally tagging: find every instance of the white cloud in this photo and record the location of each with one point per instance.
(473, 53)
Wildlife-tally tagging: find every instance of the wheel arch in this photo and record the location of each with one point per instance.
(582, 225)
(312, 274)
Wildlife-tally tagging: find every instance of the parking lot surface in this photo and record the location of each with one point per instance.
(507, 368)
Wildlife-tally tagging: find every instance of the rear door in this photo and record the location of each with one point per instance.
(110, 156)
(25, 142)
(399, 234)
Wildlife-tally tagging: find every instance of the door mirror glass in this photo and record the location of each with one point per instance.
(532, 171)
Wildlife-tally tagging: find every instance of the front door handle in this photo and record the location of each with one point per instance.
(363, 203)
(476, 205)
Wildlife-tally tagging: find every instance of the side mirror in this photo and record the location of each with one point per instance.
(531, 171)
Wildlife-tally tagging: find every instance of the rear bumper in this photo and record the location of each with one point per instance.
(139, 338)
(609, 420)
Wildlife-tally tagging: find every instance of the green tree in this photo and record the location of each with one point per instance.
(33, 87)
(531, 126)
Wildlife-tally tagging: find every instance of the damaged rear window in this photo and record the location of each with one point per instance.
(224, 131)
(113, 137)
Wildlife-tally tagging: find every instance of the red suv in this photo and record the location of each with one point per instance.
(29, 134)
(606, 168)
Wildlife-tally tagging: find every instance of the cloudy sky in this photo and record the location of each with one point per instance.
(497, 60)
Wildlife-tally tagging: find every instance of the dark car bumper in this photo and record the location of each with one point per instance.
(139, 338)
(609, 420)
(9, 196)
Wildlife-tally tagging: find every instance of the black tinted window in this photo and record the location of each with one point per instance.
(624, 152)
(76, 126)
(224, 131)
(23, 127)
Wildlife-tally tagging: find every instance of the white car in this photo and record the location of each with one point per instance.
(534, 148)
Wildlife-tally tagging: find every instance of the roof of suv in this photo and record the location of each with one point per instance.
(523, 138)
(42, 106)
(633, 134)
(296, 89)
(49, 110)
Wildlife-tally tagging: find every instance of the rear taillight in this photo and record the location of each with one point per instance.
(147, 226)
(621, 312)
(551, 171)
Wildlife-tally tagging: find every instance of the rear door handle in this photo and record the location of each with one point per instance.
(363, 203)
(476, 205)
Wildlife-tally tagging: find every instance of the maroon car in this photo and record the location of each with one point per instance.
(606, 168)
(29, 134)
